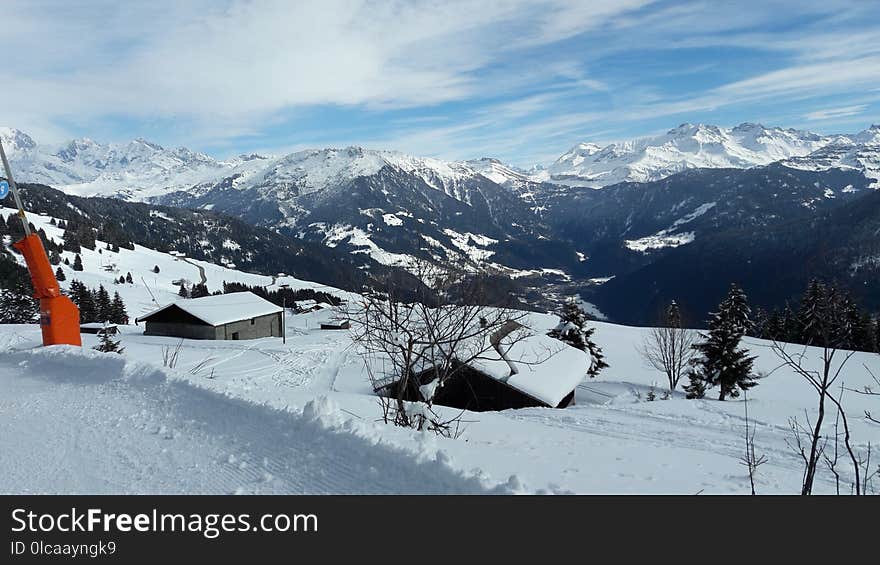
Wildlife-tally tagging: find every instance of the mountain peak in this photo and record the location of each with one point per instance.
(15, 140)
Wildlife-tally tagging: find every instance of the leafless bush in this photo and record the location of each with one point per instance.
(420, 345)
(750, 459)
(171, 354)
(201, 366)
(668, 348)
(832, 363)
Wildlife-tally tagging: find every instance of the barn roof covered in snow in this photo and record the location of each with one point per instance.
(222, 309)
(546, 368)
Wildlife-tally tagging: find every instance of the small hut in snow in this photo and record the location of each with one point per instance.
(535, 371)
(237, 315)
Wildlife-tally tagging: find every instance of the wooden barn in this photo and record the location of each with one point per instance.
(538, 371)
(237, 315)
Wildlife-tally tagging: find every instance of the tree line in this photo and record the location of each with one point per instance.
(856, 328)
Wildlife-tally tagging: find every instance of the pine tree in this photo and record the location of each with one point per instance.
(59, 274)
(810, 313)
(198, 291)
(183, 292)
(877, 333)
(66, 261)
(118, 315)
(77, 263)
(17, 305)
(103, 304)
(107, 344)
(55, 257)
(572, 329)
(156, 269)
(128, 278)
(71, 242)
(722, 362)
(84, 300)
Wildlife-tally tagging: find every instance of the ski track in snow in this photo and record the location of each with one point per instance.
(108, 427)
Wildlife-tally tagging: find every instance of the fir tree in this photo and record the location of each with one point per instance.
(156, 269)
(103, 304)
(572, 329)
(17, 305)
(107, 344)
(59, 274)
(55, 257)
(66, 261)
(810, 314)
(118, 315)
(71, 242)
(128, 278)
(198, 291)
(722, 362)
(84, 300)
(183, 292)
(77, 263)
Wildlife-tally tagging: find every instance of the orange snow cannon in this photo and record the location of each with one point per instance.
(59, 316)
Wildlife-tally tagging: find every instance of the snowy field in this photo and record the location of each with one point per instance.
(260, 416)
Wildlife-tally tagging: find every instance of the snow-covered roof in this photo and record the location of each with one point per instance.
(223, 308)
(547, 369)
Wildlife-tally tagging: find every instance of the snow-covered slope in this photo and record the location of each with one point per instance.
(150, 289)
(686, 147)
(260, 416)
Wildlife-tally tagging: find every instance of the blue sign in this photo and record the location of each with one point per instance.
(4, 189)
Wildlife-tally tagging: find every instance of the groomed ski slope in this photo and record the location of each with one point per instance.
(78, 421)
(261, 417)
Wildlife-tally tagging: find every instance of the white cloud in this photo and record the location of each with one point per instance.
(833, 113)
(230, 64)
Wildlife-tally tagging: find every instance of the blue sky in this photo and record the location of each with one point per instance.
(521, 80)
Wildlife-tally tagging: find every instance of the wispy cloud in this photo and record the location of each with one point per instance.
(519, 79)
(833, 113)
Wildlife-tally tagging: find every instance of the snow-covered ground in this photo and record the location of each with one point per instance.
(260, 416)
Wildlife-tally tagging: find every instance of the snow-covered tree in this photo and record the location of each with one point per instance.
(721, 361)
(573, 330)
(17, 305)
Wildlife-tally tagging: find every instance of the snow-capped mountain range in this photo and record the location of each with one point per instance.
(692, 146)
(385, 210)
(141, 170)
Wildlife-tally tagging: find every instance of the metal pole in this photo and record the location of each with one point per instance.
(14, 189)
(283, 315)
